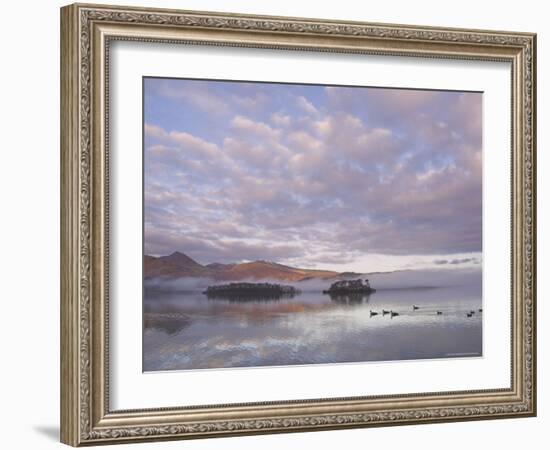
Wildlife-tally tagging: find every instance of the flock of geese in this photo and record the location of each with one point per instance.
(392, 313)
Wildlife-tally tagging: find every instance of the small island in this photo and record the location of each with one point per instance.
(251, 290)
(344, 287)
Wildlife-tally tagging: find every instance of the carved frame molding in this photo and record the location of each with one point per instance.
(86, 32)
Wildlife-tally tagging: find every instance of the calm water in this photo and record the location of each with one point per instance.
(186, 330)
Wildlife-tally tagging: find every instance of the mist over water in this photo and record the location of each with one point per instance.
(184, 329)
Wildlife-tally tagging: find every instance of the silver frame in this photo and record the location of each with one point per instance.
(86, 33)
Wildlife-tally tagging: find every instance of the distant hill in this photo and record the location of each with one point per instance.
(176, 265)
(179, 265)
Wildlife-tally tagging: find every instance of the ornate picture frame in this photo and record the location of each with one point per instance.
(87, 31)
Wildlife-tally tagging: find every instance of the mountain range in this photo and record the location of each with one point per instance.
(179, 265)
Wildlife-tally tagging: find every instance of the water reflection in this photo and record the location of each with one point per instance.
(350, 299)
(189, 330)
(169, 323)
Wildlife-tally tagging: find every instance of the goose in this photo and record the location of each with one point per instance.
(373, 313)
(472, 312)
(480, 309)
(385, 311)
(439, 313)
(392, 313)
(469, 314)
(415, 307)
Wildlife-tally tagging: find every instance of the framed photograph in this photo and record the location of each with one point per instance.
(277, 224)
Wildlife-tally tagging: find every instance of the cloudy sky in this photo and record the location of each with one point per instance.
(344, 178)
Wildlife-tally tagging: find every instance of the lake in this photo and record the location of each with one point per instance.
(184, 329)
